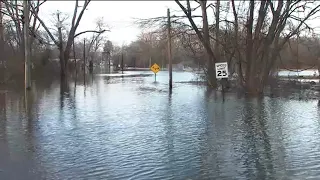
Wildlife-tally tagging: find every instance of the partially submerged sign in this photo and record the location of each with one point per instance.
(155, 68)
(222, 70)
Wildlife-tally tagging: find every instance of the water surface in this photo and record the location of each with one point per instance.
(133, 128)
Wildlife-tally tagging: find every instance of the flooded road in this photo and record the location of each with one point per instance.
(132, 128)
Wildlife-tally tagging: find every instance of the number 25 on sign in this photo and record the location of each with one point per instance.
(221, 70)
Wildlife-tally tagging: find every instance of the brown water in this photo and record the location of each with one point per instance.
(133, 128)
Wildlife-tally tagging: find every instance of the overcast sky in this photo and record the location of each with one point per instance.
(117, 14)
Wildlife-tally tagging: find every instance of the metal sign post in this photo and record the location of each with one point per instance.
(155, 68)
(222, 73)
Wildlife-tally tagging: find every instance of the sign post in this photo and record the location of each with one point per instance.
(155, 68)
(222, 73)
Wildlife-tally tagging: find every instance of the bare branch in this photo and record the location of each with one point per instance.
(86, 3)
(92, 31)
(74, 14)
(294, 32)
(45, 27)
(194, 26)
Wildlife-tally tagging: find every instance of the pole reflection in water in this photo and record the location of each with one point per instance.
(17, 136)
(169, 135)
(3, 115)
(30, 115)
(4, 151)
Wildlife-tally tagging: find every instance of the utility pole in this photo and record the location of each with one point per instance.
(122, 62)
(75, 59)
(169, 50)
(162, 59)
(27, 75)
(1, 29)
(109, 60)
(223, 81)
(150, 52)
(84, 61)
(2, 67)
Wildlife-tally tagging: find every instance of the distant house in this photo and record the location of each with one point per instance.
(77, 60)
(58, 60)
(181, 66)
(98, 58)
(54, 60)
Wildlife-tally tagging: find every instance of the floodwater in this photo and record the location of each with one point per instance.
(299, 72)
(132, 128)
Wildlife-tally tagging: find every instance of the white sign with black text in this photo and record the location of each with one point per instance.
(222, 70)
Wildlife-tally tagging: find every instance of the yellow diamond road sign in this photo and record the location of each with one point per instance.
(155, 68)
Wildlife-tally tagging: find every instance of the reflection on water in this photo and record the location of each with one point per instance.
(132, 128)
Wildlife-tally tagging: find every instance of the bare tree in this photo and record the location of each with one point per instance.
(13, 11)
(264, 41)
(108, 50)
(12, 45)
(258, 36)
(96, 40)
(65, 50)
(311, 51)
(203, 36)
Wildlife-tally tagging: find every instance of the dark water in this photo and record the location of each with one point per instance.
(132, 128)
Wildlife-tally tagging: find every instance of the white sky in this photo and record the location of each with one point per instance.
(117, 14)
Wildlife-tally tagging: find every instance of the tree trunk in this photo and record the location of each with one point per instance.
(206, 37)
(249, 75)
(66, 57)
(238, 54)
(63, 72)
(2, 58)
(109, 62)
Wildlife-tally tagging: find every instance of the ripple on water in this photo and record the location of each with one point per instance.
(133, 129)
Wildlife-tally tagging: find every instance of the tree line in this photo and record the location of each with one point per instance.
(256, 38)
(44, 40)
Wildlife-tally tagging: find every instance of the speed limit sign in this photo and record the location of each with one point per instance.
(222, 70)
